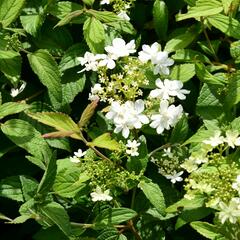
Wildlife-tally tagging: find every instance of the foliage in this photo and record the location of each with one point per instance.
(119, 119)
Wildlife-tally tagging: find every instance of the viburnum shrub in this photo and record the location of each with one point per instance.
(119, 119)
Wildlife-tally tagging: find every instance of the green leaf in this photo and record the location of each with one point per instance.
(111, 216)
(209, 105)
(69, 59)
(20, 219)
(69, 181)
(189, 55)
(123, 27)
(206, 229)
(192, 215)
(94, 34)
(10, 63)
(71, 89)
(206, 76)
(109, 233)
(233, 95)
(186, 204)
(154, 195)
(68, 18)
(105, 141)
(9, 10)
(160, 18)
(227, 25)
(88, 2)
(49, 175)
(32, 23)
(184, 39)
(235, 51)
(59, 121)
(180, 131)
(12, 108)
(62, 9)
(45, 67)
(183, 72)
(26, 136)
(57, 215)
(203, 8)
(10, 187)
(29, 187)
(139, 163)
(105, 16)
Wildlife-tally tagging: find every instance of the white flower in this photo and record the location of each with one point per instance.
(100, 195)
(15, 91)
(79, 153)
(119, 48)
(74, 159)
(216, 140)
(232, 138)
(168, 116)
(176, 177)
(229, 212)
(95, 90)
(104, 2)
(167, 152)
(133, 147)
(236, 185)
(169, 88)
(127, 116)
(123, 15)
(90, 62)
(158, 58)
(105, 60)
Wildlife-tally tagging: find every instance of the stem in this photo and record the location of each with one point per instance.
(90, 225)
(133, 198)
(134, 231)
(208, 41)
(161, 148)
(34, 95)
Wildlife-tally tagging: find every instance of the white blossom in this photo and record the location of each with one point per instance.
(90, 62)
(132, 147)
(232, 138)
(167, 152)
(119, 48)
(169, 88)
(15, 91)
(100, 195)
(167, 117)
(79, 153)
(95, 90)
(236, 184)
(216, 140)
(149, 52)
(127, 116)
(123, 15)
(74, 159)
(175, 177)
(229, 212)
(105, 60)
(104, 2)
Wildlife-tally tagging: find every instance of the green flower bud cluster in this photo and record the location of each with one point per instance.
(13, 42)
(122, 5)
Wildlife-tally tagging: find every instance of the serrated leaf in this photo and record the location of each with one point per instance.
(59, 121)
(26, 136)
(180, 131)
(184, 39)
(29, 187)
(48, 176)
(139, 163)
(58, 134)
(105, 141)
(94, 34)
(206, 229)
(105, 16)
(203, 8)
(69, 59)
(68, 18)
(45, 67)
(10, 63)
(154, 195)
(227, 25)
(9, 10)
(189, 55)
(111, 216)
(20, 219)
(109, 233)
(87, 114)
(160, 18)
(183, 72)
(123, 27)
(57, 215)
(206, 76)
(10, 187)
(12, 108)
(32, 23)
(208, 104)
(186, 204)
(69, 182)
